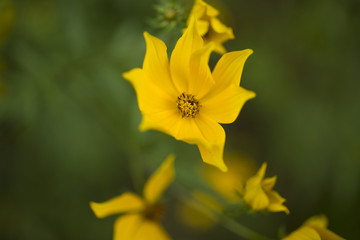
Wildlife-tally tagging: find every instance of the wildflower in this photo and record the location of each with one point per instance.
(259, 195)
(183, 99)
(210, 27)
(315, 228)
(141, 215)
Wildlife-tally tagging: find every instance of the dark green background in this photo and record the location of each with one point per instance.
(68, 120)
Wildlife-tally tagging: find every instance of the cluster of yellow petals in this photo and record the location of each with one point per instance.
(141, 216)
(159, 85)
(210, 27)
(315, 228)
(259, 194)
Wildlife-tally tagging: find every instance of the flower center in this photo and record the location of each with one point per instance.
(154, 212)
(188, 105)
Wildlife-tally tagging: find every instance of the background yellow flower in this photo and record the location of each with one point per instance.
(141, 219)
(259, 193)
(210, 27)
(315, 228)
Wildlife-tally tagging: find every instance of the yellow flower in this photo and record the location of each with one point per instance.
(142, 215)
(231, 183)
(259, 194)
(210, 27)
(314, 228)
(184, 99)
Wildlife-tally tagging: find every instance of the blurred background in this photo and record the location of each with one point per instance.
(69, 121)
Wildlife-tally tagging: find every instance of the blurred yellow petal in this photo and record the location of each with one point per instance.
(126, 227)
(150, 230)
(126, 202)
(145, 92)
(269, 183)
(156, 65)
(304, 233)
(225, 106)
(256, 198)
(229, 69)
(327, 234)
(160, 180)
(318, 221)
(210, 11)
(190, 42)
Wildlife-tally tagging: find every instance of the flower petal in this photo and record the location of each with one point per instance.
(225, 106)
(268, 183)
(327, 234)
(276, 202)
(256, 198)
(200, 75)
(318, 220)
(126, 202)
(254, 194)
(303, 233)
(151, 230)
(229, 69)
(180, 58)
(127, 226)
(150, 97)
(156, 65)
(160, 180)
(212, 146)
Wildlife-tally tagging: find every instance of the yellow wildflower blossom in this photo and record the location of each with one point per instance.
(259, 194)
(314, 228)
(183, 98)
(209, 26)
(141, 219)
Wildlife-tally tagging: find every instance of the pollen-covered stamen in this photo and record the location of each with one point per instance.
(154, 212)
(188, 105)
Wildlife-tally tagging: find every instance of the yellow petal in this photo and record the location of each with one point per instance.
(225, 106)
(160, 180)
(318, 221)
(229, 69)
(256, 198)
(219, 27)
(268, 183)
(150, 230)
(303, 233)
(150, 98)
(212, 150)
(126, 202)
(210, 10)
(126, 227)
(276, 202)
(200, 75)
(180, 58)
(327, 234)
(171, 122)
(254, 195)
(156, 65)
